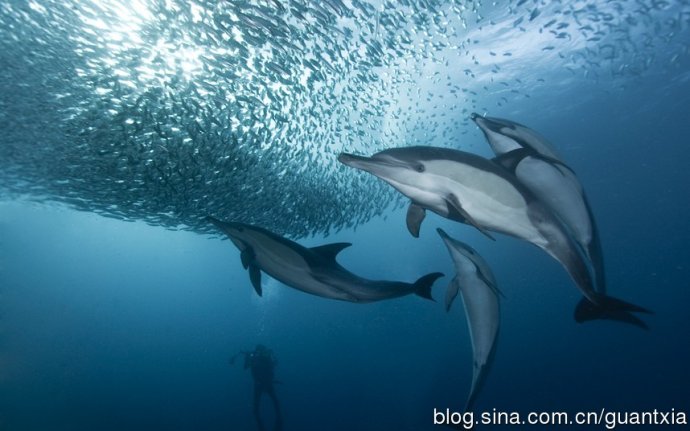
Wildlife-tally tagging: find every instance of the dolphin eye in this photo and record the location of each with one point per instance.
(419, 167)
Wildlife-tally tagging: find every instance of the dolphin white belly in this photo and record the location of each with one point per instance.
(492, 201)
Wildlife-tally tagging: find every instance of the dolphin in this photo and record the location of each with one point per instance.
(533, 161)
(505, 136)
(311, 270)
(468, 188)
(477, 285)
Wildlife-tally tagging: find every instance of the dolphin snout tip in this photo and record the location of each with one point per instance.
(344, 157)
(351, 159)
(442, 232)
(474, 116)
(211, 219)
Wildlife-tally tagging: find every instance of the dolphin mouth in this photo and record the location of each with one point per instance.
(368, 164)
(482, 121)
(374, 165)
(352, 160)
(449, 241)
(487, 123)
(231, 229)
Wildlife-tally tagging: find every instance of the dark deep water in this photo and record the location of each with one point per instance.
(110, 324)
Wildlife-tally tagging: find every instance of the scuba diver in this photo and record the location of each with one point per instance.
(262, 362)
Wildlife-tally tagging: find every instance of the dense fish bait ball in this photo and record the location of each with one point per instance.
(169, 111)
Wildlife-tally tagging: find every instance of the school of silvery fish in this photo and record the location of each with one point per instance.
(166, 111)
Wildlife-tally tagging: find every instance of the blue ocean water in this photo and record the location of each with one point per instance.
(120, 307)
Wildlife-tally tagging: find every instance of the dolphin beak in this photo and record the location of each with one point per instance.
(485, 123)
(219, 224)
(374, 165)
(443, 233)
(448, 241)
(353, 160)
(368, 164)
(228, 228)
(480, 121)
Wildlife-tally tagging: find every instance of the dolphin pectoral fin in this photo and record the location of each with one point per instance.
(455, 206)
(255, 277)
(330, 251)
(415, 216)
(609, 308)
(422, 287)
(452, 292)
(247, 257)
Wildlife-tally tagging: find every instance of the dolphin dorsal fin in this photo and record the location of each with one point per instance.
(331, 250)
(511, 159)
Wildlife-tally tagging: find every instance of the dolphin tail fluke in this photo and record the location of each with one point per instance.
(609, 308)
(422, 287)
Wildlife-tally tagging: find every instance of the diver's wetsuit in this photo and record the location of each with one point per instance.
(262, 364)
